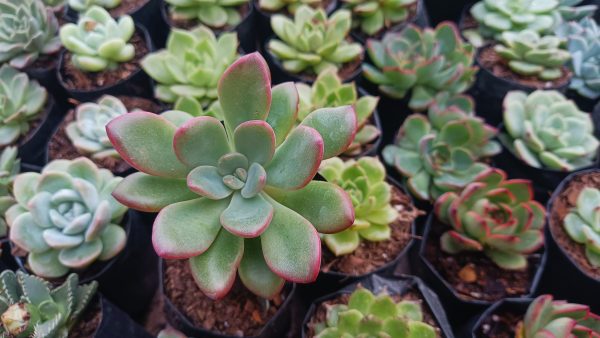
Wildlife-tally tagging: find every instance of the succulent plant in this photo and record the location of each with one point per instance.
(31, 307)
(28, 30)
(367, 315)
(84, 5)
(583, 223)
(444, 151)
(365, 181)
(88, 131)
(495, 216)
(10, 166)
(55, 4)
(545, 130)
(21, 101)
(187, 72)
(529, 54)
(567, 10)
(373, 16)
(65, 218)
(312, 42)
(98, 42)
(213, 13)
(287, 5)
(170, 332)
(425, 62)
(583, 43)
(328, 91)
(546, 317)
(232, 197)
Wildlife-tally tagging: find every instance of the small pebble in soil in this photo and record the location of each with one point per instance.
(468, 274)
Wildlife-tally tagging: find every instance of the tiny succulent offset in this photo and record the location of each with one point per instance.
(444, 151)
(213, 13)
(65, 218)
(170, 332)
(528, 54)
(188, 70)
(21, 101)
(369, 315)
(98, 42)
(365, 181)
(84, 5)
(31, 307)
(287, 5)
(312, 41)
(28, 31)
(328, 91)
(583, 223)
(374, 16)
(10, 166)
(545, 130)
(423, 62)
(232, 197)
(495, 216)
(88, 131)
(546, 317)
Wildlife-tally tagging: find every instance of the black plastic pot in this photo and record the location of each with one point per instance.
(7, 261)
(116, 323)
(460, 309)
(31, 147)
(508, 305)
(276, 327)
(396, 286)
(130, 279)
(440, 10)
(563, 277)
(136, 84)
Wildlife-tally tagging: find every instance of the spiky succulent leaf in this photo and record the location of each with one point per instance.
(212, 13)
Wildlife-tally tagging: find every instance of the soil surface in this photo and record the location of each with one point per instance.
(345, 73)
(412, 13)
(86, 326)
(320, 314)
(127, 7)
(240, 313)
(499, 325)
(491, 61)
(473, 275)
(563, 203)
(372, 255)
(60, 146)
(44, 62)
(77, 79)
(187, 24)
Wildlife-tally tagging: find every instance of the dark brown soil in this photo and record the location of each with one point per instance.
(77, 79)
(44, 62)
(189, 24)
(563, 203)
(345, 73)
(60, 146)
(468, 21)
(240, 313)
(412, 13)
(372, 255)
(86, 326)
(320, 314)
(127, 7)
(473, 275)
(499, 325)
(491, 61)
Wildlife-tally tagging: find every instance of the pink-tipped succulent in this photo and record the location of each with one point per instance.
(548, 318)
(494, 215)
(239, 197)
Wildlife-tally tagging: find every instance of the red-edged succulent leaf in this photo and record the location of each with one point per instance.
(284, 110)
(187, 229)
(521, 189)
(206, 181)
(145, 141)
(255, 273)
(539, 215)
(256, 140)
(297, 160)
(442, 205)
(337, 127)
(245, 90)
(247, 217)
(214, 271)
(201, 141)
(453, 242)
(539, 312)
(151, 193)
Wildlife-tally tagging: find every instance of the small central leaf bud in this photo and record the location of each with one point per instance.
(233, 182)
(16, 319)
(241, 173)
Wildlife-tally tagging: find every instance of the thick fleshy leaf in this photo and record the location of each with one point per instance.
(291, 246)
(113, 239)
(342, 243)
(27, 235)
(81, 256)
(145, 141)
(215, 269)
(247, 217)
(24, 187)
(304, 145)
(151, 193)
(200, 141)
(46, 264)
(245, 90)
(255, 273)
(207, 181)
(256, 140)
(284, 110)
(187, 229)
(337, 127)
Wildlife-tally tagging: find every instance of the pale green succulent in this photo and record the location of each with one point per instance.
(27, 30)
(98, 42)
(84, 5)
(10, 166)
(583, 223)
(21, 102)
(213, 13)
(545, 130)
(88, 131)
(55, 4)
(66, 218)
(288, 5)
(373, 16)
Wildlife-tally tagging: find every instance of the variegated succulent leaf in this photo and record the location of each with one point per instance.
(99, 42)
(212, 13)
(421, 63)
(546, 130)
(313, 41)
(369, 315)
(238, 197)
(495, 216)
(31, 307)
(188, 70)
(374, 16)
(65, 217)
(84, 5)
(582, 223)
